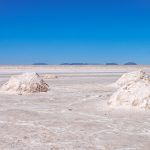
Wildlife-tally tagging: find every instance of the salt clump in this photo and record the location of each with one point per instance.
(49, 76)
(25, 83)
(130, 77)
(134, 91)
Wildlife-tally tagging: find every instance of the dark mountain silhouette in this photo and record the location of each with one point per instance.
(40, 64)
(130, 63)
(74, 64)
(111, 63)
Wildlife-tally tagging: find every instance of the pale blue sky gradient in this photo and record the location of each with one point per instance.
(88, 31)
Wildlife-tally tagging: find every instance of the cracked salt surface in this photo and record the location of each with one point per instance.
(73, 114)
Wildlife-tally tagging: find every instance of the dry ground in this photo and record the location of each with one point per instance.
(73, 114)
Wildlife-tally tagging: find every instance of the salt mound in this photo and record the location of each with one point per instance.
(130, 77)
(49, 76)
(134, 92)
(25, 83)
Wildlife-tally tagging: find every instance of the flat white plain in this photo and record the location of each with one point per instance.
(73, 114)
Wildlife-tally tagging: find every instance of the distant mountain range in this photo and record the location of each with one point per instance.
(130, 63)
(110, 63)
(40, 64)
(74, 64)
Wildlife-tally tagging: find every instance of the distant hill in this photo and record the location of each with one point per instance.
(130, 63)
(74, 64)
(40, 64)
(111, 63)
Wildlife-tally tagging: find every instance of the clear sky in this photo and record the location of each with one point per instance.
(57, 31)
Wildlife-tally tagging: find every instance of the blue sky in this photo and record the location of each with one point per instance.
(92, 31)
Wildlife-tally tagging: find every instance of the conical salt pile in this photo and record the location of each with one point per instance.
(25, 83)
(134, 92)
(130, 77)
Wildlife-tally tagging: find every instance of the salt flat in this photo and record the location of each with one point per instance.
(73, 114)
